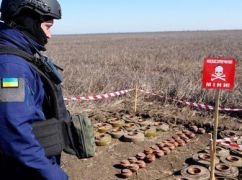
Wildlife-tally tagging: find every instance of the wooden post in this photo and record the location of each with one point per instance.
(211, 144)
(215, 132)
(136, 99)
(211, 154)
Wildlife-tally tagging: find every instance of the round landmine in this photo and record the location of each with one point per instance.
(167, 144)
(117, 133)
(224, 170)
(235, 161)
(97, 133)
(176, 144)
(201, 131)
(124, 163)
(161, 144)
(150, 158)
(143, 128)
(97, 125)
(186, 132)
(103, 127)
(103, 139)
(166, 150)
(196, 172)
(133, 136)
(148, 150)
(219, 151)
(144, 122)
(229, 134)
(176, 137)
(165, 141)
(172, 147)
(126, 173)
(184, 136)
(181, 143)
(204, 159)
(128, 118)
(187, 140)
(150, 132)
(141, 164)
(130, 127)
(155, 147)
(163, 127)
(159, 153)
(133, 167)
(117, 123)
(179, 133)
(171, 140)
(132, 159)
(194, 129)
(236, 152)
(191, 135)
(140, 156)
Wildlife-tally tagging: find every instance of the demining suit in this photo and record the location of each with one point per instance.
(26, 97)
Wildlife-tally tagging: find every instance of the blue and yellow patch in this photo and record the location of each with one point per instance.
(12, 90)
(10, 83)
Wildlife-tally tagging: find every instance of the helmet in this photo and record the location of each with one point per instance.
(43, 8)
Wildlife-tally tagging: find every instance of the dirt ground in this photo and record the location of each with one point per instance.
(104, 165)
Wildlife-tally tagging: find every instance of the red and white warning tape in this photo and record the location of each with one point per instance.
(194, 104)
(119, 93)
(97, 97)
(230, 143)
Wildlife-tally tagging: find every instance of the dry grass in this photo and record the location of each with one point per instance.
(168, 63)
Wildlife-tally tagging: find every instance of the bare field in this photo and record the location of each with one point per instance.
(169, 63)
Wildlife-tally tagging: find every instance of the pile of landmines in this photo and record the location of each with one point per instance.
(231, 139)
(129, 129)
(228, 161)
(150, 154)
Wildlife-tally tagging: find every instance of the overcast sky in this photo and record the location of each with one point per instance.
(104, 16)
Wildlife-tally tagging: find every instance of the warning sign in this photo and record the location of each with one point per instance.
(218, 73)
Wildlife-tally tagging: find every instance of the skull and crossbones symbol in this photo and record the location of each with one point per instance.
(219, 74)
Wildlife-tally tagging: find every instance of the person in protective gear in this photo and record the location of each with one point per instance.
(26, 26)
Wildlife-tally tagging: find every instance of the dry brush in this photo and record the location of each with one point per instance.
(169, 63)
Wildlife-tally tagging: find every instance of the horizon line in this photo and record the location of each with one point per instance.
(140, 32)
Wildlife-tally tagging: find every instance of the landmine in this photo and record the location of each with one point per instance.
(203, 159)
(196, 172)
(103, 139)
(117, 133)
(230, 160)
(220, 151)
(223, 170)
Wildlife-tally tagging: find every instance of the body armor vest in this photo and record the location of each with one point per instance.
(53, 132)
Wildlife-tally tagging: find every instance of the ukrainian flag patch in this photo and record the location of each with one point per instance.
(10, 82)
